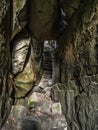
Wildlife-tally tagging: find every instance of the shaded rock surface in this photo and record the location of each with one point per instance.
(5, 76)
(79, 67)
(45, 19)
(75, 58)
(18, 16)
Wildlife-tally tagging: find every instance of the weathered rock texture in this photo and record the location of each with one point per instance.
(26, 63)
(44, 16)
(5, 77)
(7, 30)
(18, 15)
(79, 67)
(76, 55)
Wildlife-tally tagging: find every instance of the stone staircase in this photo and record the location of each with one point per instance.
(46, 80)
(42, 112)
(47, 61)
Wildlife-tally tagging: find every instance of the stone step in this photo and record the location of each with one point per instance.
(47, 72)
(46, 68)
(46, 59)
(48, 75)
(47, 53)
(49, 65)
(47, 62)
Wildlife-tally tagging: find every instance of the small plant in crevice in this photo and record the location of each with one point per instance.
(31, 103)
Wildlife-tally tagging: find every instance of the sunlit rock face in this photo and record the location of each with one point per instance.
(26, 63)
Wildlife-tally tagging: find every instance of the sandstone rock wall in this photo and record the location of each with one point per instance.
(5, 77)
(79, 67)
(76, 56)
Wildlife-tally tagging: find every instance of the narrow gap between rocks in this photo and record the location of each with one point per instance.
(40, 112)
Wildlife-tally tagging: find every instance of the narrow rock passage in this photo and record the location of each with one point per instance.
(46, 80)
(48, 112)
(41, 113)
(47, 61)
